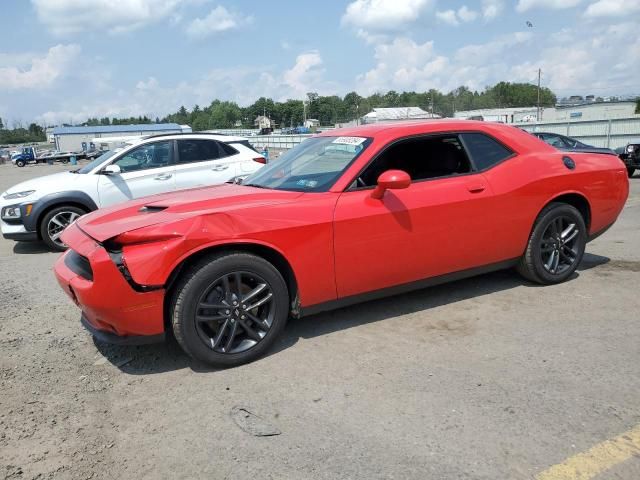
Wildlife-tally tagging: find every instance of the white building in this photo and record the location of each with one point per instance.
(74, 139)
(396, 114)
(593, 111)
(263, 122)
(503, 115)
(560, 113)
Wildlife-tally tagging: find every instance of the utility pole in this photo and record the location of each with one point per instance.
(538, 110)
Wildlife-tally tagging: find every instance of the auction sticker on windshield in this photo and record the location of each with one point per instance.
(349, 140)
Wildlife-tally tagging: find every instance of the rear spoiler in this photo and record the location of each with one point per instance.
(604, 151)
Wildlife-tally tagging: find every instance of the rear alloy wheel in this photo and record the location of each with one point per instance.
(54, 223)
(556, 245)
(229, 309)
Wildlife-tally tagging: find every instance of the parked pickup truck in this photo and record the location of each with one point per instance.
(630, 155)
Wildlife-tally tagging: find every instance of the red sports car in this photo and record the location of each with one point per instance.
(346, 216)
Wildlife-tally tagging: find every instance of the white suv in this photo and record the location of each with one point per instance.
(41, 208)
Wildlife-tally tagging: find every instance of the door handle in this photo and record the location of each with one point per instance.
(219, 168)
(479, 188)
(163, 176)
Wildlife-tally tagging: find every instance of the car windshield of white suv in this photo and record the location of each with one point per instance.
(312, 166)
(94, 163)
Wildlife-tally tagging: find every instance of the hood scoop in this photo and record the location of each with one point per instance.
(152, 208)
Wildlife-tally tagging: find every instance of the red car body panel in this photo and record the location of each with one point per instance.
(338, 243)
(108, 302)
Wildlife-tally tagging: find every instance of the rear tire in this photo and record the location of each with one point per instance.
(214, 315)
(556, 245)
(53, 224)
(630, 171)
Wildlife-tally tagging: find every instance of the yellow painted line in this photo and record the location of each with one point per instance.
(597, 459)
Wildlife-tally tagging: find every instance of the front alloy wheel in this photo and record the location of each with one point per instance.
(235, 312)
(54, 223)
(228, 308)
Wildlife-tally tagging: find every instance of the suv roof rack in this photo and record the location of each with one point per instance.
(184, 133)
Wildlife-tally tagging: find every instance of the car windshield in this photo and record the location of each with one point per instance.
(312, 166)
(93, 164)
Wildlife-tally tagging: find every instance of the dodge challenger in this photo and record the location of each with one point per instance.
(346, 216)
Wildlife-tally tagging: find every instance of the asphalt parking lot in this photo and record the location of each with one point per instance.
(486, 378)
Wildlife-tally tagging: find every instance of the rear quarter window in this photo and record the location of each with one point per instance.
(484, 151)
(244, 143)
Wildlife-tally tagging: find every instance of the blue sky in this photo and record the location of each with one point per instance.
(65, 60)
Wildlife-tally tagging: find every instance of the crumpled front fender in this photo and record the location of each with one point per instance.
(151, 262)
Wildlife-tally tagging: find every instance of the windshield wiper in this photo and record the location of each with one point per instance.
(255, 185)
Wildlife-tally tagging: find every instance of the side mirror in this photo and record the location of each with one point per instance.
(112, 170)
(391, 180)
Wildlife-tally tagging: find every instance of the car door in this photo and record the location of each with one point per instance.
(145, 170)
(204, 162)
(435, 226)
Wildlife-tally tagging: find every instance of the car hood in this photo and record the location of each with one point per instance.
(107, 223)
(47, 184)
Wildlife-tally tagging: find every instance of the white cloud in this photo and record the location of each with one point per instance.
(42, 71)
(604, 62)
(242, 84)
(613, 8)
(68, 17)
(448, 16)
(466, 14)
(404, 64)
(384, 15)
(451, 17)
(492, 8)
(524, 5)
(305, 73)
(218, 20)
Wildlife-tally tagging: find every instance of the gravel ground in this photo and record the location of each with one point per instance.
(486, 378)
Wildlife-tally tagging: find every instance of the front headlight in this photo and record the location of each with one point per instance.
(11, 213)
(630, 148)
(13, 196)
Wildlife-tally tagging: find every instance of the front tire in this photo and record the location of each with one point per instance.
(53, 224)
(630, 171)
(20, 163)
(556, 245)
(228, 309)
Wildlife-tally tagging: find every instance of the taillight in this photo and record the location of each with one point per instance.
(260, 160)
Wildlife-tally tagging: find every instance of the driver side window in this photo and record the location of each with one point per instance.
(422, 158)
(151, 155)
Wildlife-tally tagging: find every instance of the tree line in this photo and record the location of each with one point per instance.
(328, 110)
(34, 133)
(333, 109)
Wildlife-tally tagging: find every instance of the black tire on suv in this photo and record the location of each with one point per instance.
(54, 222)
